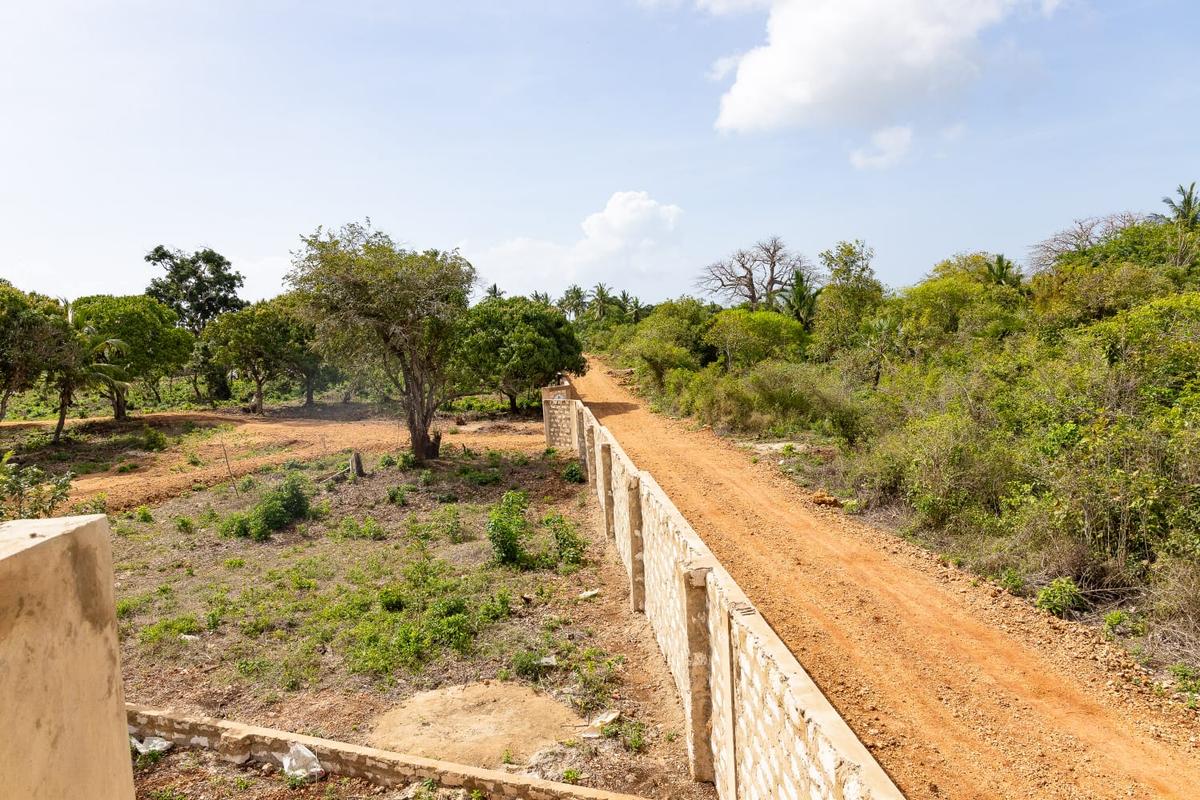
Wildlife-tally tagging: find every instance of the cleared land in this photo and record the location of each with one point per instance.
(386, 591)
(959, 689)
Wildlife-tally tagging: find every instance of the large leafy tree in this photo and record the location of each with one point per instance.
(153, 345)
(573, 303)
(197, 287)
(746, 337)
(849, 297)
(515, 345)
(26, 341)
(256, 341)
(301, 359)
(671, 337)
(371, 301)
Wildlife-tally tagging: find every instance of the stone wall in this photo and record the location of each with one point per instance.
(62, 714)
(240, 743)
(756, 724)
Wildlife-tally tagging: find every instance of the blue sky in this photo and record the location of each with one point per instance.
(624, 141)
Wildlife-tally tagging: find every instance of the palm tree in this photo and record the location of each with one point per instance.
(800, 301)
(83, 359)
(573, 302)
(1185, 212)
(602, 302)
(622, 302)
(636, 311)
(1003, 272)
(494, 291)
(541, 298)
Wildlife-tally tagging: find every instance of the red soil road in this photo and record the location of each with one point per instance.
(958, 689)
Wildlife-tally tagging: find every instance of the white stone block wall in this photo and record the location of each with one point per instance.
(768, 729)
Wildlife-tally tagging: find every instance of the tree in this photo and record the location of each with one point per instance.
(197, 287)
(758, 277)
(800, 299)
(850, 296)
(369, 299)
(152, 344)
(516, 345)
(1003, 272)
(573, 302)
(25, 340)
(602, 303)
(1185, 212)
(301, 359)
(256, 340)
(746, 337)
(494, 291)
(636, 310)
(80, 359)
(671, 337)
(542, 298)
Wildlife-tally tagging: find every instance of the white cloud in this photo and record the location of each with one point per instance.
(888, 148)
(855, 61)
(632, 237)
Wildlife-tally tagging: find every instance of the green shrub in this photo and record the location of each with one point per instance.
(246, 484)
(507, 528)
(153, 439)
(1012, 581)
(574, 473)
(393, 598)
(1061, 597)
(406, 460)
(397, 496)
(351, 528)
(487, 477)
(425, 478)
(1114, 622)
(529, 665)
(142, 514)
(236, 525)
(568, 544)
(185, 524)
(387, 460)
(171, 628)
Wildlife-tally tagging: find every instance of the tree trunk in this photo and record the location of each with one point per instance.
(4, 404)
(64, 400)
(154, 390)
(195, 379)
(512, 404)
(309, 383)
(120, 405)
(424, 446)
(257, 407)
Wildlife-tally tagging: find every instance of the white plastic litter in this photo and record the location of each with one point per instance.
(300, 762)
(151, 744)
(595, 728)
(589, 594)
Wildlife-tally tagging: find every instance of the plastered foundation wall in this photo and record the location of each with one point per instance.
(239, 744)
(62, 706)
(757, 725)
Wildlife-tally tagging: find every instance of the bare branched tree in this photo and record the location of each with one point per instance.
(758, 277)
(1083, 233)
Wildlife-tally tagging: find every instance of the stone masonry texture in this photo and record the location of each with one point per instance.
(758, 727)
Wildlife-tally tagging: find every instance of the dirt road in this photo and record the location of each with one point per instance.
(957, 688)
(244, 444)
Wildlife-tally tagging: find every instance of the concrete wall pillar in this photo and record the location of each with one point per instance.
(590, 438)
(606, 488)
(637, 564)
(694, 583)
(62, 703)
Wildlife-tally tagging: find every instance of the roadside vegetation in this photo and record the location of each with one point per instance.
(1039, 427)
